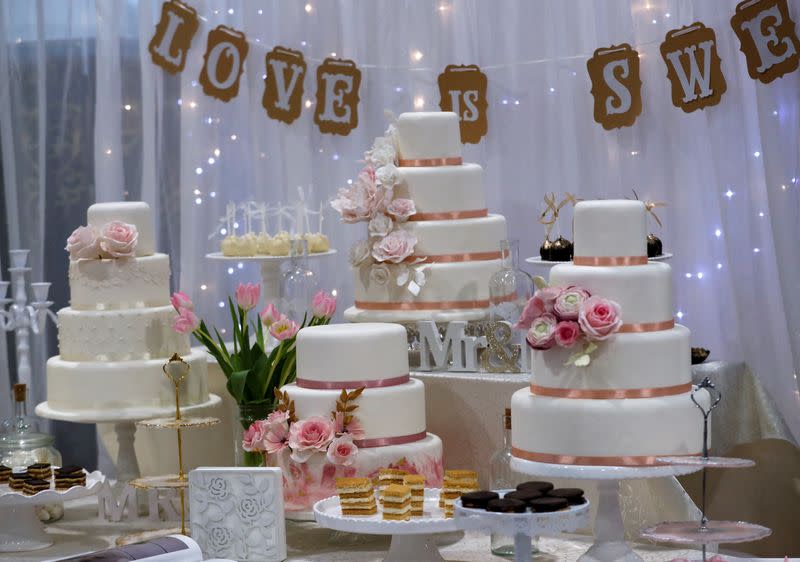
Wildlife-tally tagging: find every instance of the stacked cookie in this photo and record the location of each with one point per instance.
(356, 496)
(69, 476)
(41, 476)
(537, 496)
(396, 502)
(402, 495)
(456, 484)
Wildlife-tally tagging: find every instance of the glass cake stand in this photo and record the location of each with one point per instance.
(539, 263)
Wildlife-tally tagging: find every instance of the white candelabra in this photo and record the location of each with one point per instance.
(22, 316)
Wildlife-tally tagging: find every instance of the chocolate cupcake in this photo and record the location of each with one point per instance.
(543, 487)
(506, 506)
(547, 504)
(573, 495)
(478, 500)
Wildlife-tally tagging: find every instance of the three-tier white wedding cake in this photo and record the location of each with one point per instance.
(632, 402)
(116, 334)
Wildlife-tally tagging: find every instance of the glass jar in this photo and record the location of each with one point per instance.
(299, 283)
(247, 414)
(510, 288)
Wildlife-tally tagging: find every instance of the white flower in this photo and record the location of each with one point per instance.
(381, 153)
(380, 225)
(388, 175)
(380, 274)
(360, 252)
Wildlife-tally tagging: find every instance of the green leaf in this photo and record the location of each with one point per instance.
(236, 384)
(540, 282)
(583, 360)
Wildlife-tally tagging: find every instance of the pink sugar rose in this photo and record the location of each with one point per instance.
(283, 328)
(309, 436)
(254, 436)
(118, 239)
(401, 209)
(599, 318)
(542, 301)
(247, 295)
(276, 438)
(395, 247)
(362, 200)
(83, 244)
(567, 333)
(186, 321)
(568, 303)
(542, 332)
(342, 451)
(354, 429)
(278, 416)
(269, 315)
(181, 300)
(323, 305)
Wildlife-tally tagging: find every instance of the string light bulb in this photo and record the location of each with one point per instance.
(416, 55)
(127, 107)
(419, 102)
(309, 8)
(309, 103)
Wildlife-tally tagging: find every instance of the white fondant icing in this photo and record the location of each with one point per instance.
(352, 352)
(133, 212)
(392, 411)
(610, 228)
(445, 237)
(438, 189)
(77, 386)
(433, 134)
(625, 361)
(119, 283)
(354, 314)
(644, 292)
(670, 425)
(119, 335)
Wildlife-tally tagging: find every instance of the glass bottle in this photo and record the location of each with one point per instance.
(299, 282)
(510, 288)
(503, 477)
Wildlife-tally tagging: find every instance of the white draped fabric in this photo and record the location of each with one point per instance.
(85, 116)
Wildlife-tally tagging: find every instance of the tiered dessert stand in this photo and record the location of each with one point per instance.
(176, 369)
(523, 526)
(411, 540)
(20, 528)
(705, 531)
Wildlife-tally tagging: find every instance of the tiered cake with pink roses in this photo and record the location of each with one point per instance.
(611, 373)
(352, 411)
(431, 244)
(116, 334)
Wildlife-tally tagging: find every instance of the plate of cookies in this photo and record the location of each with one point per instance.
(44, 483)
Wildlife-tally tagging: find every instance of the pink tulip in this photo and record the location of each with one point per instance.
(269, 315)
(181, 300)
(247, 295)
(323, 305)
(283, 328)
(186, 321)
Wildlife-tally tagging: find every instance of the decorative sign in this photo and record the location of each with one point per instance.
(462, 348)
(338, 82)
(501, 355)
(693, 67)
(224, 63)
(616, 86)
(768, 39)
(462, 90)
(173, 36)
(283, 85)
(116, 505)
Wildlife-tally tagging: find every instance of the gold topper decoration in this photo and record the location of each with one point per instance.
(173, 36)
(693, 67)
(283, 85)
(616, 86)
(338, 81)
(223, 63)
(767, 37)
(501, 354)
(462, 90)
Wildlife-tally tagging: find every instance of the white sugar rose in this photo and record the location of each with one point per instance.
(83, 244)
(359, 253)
(380, 225)
(387, 176)
(395, 247)
(381, 153)
(118, 239)
(380, 274)
(401, 209)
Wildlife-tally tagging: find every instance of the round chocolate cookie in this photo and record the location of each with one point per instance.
(478, 499)
(543, 487)
(573, 495)
(507, 506)
(546, 504)
(524, 495)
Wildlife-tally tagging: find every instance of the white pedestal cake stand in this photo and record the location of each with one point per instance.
(270, 271)
(411, 540)
(538, 262)
(124, 421)
(609, 531)
(20, 528)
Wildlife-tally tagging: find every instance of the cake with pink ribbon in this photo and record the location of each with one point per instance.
(354, 410)
(611, 372)
(431, 244)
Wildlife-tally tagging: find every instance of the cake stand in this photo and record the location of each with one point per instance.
(20, 528)
(523, 526)
(270, 271)
(609, 531)
(411, 540)
(538, 262)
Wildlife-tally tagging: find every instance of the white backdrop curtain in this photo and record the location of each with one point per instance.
(85, 116)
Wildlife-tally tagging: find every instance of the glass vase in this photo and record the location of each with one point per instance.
(510, 288)
(299, 282)
(247, 414)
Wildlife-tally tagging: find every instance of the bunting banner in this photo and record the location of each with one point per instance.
(462, 90)
(616, 86)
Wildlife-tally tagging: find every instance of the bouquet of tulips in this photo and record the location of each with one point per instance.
(253, 373)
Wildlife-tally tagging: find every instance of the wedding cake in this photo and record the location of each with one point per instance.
(432, 246)
(624, 398)
(355, 433)
(116, 334)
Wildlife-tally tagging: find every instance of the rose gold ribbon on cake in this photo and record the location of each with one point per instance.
(610, 394)
(434, 305)
(450, 215)
(385, 441)
(647, 327)
(426, 162)
(455, 258)
(645, 460)
(338, 385)
(605, 261)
